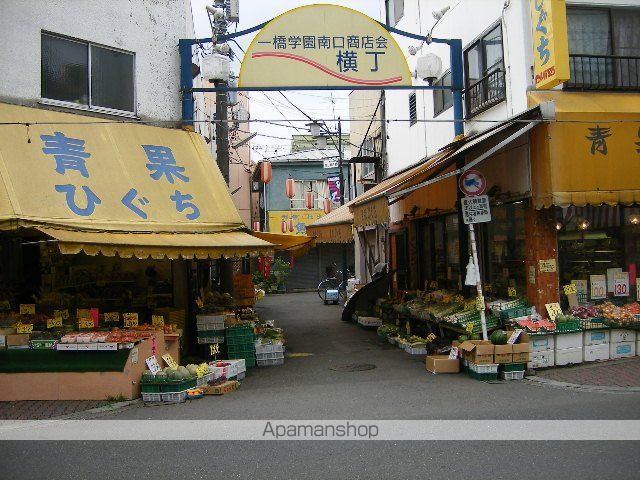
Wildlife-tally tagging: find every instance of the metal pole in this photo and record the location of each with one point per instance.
(457, 84)
(480, 298)
(341, 176)
(186, 81)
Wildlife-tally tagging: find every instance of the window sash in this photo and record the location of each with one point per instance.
(442, 99)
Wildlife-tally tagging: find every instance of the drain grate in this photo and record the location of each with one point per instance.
(353, 367)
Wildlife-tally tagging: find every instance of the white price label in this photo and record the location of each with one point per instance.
(598, 287)
(453, 354)
(621, 284)
(152, 363)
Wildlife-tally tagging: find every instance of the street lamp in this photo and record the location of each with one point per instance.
(429, 67)
(314, 127)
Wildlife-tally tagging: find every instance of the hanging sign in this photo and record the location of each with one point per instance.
(323, 45)
(550, 43)
(214, 349)
(598, 287)
(472, 183)
(554, 310)
(476, 209)
(330, 164)
(130, 320)
(152, 364)
(621, 284)
(27, 309)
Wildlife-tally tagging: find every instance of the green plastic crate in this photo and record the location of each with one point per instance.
(484, 377)
(172, 387)
(250, 362)
(574, 326)
(512, 367)
(239, 331)
(211, 333)
(150, 387)
(514, 313)
(240, 340)
(244, 348)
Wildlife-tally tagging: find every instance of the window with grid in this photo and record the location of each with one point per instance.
(442, 99)
(320, 190)
(413, 109)
(88, 75)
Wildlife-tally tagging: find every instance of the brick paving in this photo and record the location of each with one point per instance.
(614, 373)
(44, 409)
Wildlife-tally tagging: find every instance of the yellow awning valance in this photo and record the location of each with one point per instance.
(160, 245)
(371, 213)
(589, 156)
(296, 244)
(335, 227)
(109, 187)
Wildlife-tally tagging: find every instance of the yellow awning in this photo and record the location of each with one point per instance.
(130, 189)
(589, 156)
(335, 227)
(296, 244)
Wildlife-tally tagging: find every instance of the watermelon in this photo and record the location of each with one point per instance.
(475, 336)
(192, 369)
(147, 377)
(175, 375)
(184, 372)
(161, 376)
(463, 338)
(499, 337)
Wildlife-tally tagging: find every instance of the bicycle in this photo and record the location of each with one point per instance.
(334, 281)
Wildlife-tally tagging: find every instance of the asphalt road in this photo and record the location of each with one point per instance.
(306, 388)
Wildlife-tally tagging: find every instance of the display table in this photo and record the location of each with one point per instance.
(75, 375)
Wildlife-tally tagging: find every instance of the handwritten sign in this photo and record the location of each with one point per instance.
(27, 309)
(570, 289)
(511, 291)
(83, 313)
(64, 314)
(24, 328)
(408, 327)
(157, 320)
(469, 327)
(214, 349)
(547, 266)
(431, 337)
(130, 320)
(54, 322)
(479, 303)
(598, 287)
(202, 370)
(554, 310)
(514, 336)
(85, 323)
(621, 284)
(111, 317)
(152, 364)
(453, 354)
(170, 361)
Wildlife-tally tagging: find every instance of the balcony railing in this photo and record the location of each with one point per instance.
(604, 72)
(485, 93)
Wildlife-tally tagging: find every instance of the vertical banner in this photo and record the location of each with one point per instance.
(334, 188)
(550, 43)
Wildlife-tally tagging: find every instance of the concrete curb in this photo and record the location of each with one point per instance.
(585, 388)
(112, 407)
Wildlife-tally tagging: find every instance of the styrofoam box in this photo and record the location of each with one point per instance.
(619, 335)
(542, 359)
(622, 350)
(542, 343)
(596, 337)
(591, 353)
(569, 340)
(567, 356)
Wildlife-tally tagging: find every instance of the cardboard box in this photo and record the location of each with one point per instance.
(522, 348)
(596, 337)
(592, 353)
(17, 340)
(569, 356)
(565, 341)
(618, 335)
(543, 343)
(622, 350)
(542, 359)
(479, 352)
(442, 364)
(222, 389)
(503, 353)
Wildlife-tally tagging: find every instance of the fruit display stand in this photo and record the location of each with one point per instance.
(29, 374)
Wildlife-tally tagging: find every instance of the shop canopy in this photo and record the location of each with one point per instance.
(297, 245)
(590, 154)
(116, 188)
(335, 227)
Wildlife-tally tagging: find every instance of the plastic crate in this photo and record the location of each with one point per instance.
(593, 323)
(241, 375)
(174, 397)
(214, 332)
(483, 377)
(200, 382)
(514, 375)
(239, 331)
(392, 340)
(241, 351)
(416, 351)
(173, 387)
(269, 356)
(205, 326)
(240, 339)
(574, 326)
(514, 313)
(208, 340)
(512, 367)
(271, 362)
(489, 368)
(150, 387)
(250, 362)
(269, 349)
(151, 397)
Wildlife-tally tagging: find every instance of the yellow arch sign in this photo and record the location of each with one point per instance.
(324, 45)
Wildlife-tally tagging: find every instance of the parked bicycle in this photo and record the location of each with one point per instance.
(335, 281)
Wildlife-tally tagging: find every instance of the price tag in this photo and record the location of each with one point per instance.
(27, 309)
(64, 314)
(511, 291)
(547, 266)
(469, 327)
(479, 303)
(54, 322)
(130, 320)
(170, 361)
(430, 338)
(202, 370)
(214, 348)
(554, 310)
(152, 364)
(570, 289)
(24, 328)
(111, 317)
(514, 336)
(157, 320)
(83, 313)
(598, 287)
(621, 284)
(453, 354)
(85, 323)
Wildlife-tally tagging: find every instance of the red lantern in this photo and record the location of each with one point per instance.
(327, 206)
(256, 226)
(283, 226)
(290, 187)
(291, 225)
(308, 198)
(265, 172)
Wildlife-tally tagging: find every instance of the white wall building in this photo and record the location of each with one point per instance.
(118, 58)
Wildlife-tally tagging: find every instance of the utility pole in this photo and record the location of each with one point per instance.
(222, 108)
(341, 176)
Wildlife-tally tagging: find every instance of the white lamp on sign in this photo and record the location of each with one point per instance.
(314, 127)
(217, 13)
(429, 67)
(438, 14)
(321, 142)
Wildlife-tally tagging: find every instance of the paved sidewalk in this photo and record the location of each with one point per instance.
(45, 409)
(613, 373)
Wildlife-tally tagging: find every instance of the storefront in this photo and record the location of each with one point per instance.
(110, 233)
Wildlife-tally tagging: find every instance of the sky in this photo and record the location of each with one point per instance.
(272, 105)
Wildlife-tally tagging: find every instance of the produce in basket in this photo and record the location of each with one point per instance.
(499, 337)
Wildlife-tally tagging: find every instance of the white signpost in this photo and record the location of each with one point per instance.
(330, 164)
